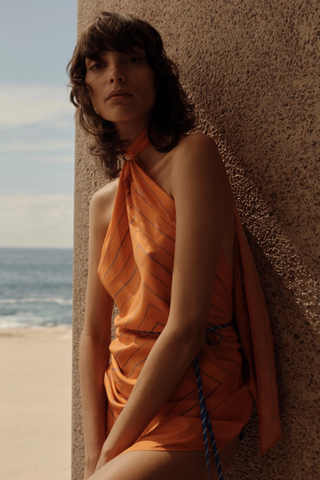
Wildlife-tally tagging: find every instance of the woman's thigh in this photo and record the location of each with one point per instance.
(162, 465)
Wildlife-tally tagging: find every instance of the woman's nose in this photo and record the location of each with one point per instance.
(116, 74)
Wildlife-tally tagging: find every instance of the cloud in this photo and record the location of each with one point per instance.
(36, 220)
(12, 145)
(55, 157)
(36, 124)
(22, 105)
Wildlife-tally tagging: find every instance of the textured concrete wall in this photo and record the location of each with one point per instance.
(253, 70)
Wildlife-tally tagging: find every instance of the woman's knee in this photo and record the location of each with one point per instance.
(157, 465)
(147, 465)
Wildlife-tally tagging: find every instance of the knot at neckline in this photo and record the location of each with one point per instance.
(140, 144)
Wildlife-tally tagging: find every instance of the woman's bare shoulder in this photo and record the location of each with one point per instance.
(106, 194)
(198, 153)
(101, 205)
(198, 163)
(197, 143)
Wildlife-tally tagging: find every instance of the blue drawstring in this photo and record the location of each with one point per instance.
(207, 430)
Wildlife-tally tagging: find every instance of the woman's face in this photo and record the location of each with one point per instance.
(122, 86)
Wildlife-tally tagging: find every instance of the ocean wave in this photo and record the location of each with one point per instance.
(14, 301)
(28, 321)
(20, 322)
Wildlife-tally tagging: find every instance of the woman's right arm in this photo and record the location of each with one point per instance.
(96, 335)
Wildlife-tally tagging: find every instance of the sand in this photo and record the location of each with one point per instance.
(35, 404)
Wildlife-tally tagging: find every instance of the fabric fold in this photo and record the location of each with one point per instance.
(254, 328)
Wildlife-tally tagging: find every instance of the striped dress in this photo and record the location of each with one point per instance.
(136, 270)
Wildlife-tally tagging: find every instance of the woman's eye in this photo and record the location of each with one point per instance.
(134, 60)
(96, 66)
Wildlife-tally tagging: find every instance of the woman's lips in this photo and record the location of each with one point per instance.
(118, 95)
(117, 98)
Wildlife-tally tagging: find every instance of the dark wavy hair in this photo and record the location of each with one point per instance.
(172, 114)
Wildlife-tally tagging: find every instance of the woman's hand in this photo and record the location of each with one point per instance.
(105, 457)
(89, 470)
(87, 473)
(100, 463)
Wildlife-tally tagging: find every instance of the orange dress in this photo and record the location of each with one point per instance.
(136, 269)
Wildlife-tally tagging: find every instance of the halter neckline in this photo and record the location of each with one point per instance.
(140, 144)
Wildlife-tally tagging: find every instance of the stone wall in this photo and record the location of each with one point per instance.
(253, 70)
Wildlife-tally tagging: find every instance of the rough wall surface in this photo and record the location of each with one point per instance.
(253, 70)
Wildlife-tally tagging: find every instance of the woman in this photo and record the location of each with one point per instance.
(165, 247)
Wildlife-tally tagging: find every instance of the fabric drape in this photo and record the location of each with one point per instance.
(136, 269)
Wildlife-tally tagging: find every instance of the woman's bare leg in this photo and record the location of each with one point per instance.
(160, 465)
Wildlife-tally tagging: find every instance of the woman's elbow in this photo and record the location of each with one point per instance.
(189, 340)
(197, 340)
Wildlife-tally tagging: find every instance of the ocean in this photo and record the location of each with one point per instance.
(35, 287)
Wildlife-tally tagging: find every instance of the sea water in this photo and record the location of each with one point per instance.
(35, 287)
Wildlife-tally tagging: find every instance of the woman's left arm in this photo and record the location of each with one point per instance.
(203, 201)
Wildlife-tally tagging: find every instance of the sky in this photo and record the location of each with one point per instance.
(37, 38)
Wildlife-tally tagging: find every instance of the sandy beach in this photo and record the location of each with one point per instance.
(35, 404)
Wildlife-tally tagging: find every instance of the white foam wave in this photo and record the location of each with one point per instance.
(17, 321)
(14, 301)
(27, 321)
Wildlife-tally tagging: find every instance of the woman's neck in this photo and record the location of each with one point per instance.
(130, 131)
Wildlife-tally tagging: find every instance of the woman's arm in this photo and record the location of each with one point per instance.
(96, 336)
(204, 205)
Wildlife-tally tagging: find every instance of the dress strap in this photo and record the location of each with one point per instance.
(140, 144)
